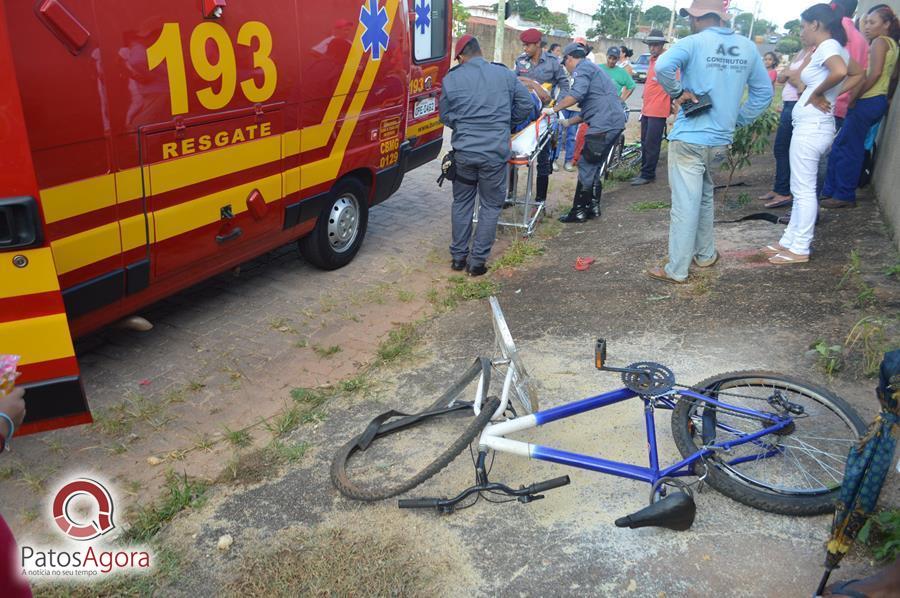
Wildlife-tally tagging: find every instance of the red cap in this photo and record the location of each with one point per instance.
(530, 36)
(461, 44)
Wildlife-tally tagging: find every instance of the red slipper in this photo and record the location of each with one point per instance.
(583, 263)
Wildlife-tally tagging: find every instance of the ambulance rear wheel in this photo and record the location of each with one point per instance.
(340, 229)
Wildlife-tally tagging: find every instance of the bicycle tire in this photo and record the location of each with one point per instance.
(736, 485)
(348, 488)
(632, 157)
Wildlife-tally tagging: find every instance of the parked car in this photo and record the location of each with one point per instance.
(640, 67)
(773, 39)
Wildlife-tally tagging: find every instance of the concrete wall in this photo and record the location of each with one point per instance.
(887, 165)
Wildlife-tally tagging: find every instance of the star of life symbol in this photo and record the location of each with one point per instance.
(375, 38)
(423, 11)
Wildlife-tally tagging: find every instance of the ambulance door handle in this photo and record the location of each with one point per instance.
(234, 234)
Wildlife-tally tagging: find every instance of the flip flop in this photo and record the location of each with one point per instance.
(583, 263)
(779, 203)
(788, 257)
(767, 196)
(773, 249)
(659, 273)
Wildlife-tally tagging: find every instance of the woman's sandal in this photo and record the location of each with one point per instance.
(779, 201)
(767, 196)
(773, 249)
(788, 257)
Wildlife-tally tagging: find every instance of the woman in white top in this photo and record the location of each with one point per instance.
(780, 195)
(813, 118)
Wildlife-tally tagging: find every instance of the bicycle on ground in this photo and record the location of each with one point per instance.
(767, 440)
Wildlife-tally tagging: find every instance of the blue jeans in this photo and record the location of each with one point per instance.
(782, 151)
(848, 150)
(691, 217)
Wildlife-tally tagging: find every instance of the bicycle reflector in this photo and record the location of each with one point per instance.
(600, 353)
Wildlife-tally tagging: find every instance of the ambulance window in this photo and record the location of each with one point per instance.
(430, 28)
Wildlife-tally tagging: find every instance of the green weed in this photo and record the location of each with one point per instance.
(517, 254)
(644, 206)
(238, 438)
(882, 534)
(180, 493)
(829, 357)
(326, 352)
(399, 344)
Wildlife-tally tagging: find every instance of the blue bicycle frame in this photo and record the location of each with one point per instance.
(493, 436)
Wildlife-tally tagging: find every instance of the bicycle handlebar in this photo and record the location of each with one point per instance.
(524, 494)
(419, 503)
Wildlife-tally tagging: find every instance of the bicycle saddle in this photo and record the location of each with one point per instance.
(676, 511)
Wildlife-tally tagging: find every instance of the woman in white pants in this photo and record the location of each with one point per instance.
(814, 131)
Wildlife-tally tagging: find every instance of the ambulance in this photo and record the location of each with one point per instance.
(147, 145)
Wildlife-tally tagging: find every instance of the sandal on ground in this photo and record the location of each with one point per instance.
(773, 249)
(766, 196)
(659, 273)
(701, 263)
(583, 263)
(788, 257)
(779, 201)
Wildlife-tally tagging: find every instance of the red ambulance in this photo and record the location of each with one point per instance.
(147, 145)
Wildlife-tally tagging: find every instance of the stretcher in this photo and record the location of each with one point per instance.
(525, 146)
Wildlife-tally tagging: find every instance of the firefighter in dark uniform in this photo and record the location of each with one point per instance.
(601, 109)
(543, 67)
(481, 102)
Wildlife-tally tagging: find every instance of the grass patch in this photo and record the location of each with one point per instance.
(893, 270)
(166, 564)
(238, 438)
(256, 466)
(869, 338)
(354, 384)
(881, 534)
(621, 175)
(466, 289)
(179, 493)
(308, 396)
(399, 343)
(136, 409)
(518, 253)
(326, 352)
(829, 358)
(645, 206)
(404, 296)
(338, 562)
(287, 422)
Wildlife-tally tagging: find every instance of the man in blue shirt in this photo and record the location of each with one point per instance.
(716, 65)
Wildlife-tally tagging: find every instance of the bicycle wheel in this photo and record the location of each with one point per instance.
(386, 469)
(632, 156)
(796, 471)
(615, 156)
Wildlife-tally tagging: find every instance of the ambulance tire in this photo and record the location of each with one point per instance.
(339, 232)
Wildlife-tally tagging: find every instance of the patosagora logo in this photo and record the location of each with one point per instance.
(82, 511)
(83, 530)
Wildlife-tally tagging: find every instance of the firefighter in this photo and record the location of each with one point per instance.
(601, 109)
(481, 102)
(543, 67)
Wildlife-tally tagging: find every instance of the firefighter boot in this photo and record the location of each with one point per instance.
(594, 212)
(581, 206)
(540, 194)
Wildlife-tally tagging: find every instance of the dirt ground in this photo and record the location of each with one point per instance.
(741, 314)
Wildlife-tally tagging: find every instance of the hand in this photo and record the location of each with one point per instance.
(548, 111)
(685, 97)
(564, 122)
(818, 101)
(13, 405)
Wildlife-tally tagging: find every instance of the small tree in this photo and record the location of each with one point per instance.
(657, 14)
(788, 45)
(749, 140)
(460, 16)
(612, 18)
(793, 27)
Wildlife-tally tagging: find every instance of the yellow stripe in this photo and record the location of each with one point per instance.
(427, 126)
(39, 276)
(77, 251)
(135, 230)
(37, 339)
(317, 136)
(72, 199)
(187, 216)
(128, 185)
(174, 174)
(321, 171)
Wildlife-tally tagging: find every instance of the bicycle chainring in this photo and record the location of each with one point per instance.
(652, 380)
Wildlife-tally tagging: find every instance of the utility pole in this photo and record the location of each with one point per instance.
(753, 20)
(672, 21)
(498, 34)
(627, 35)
